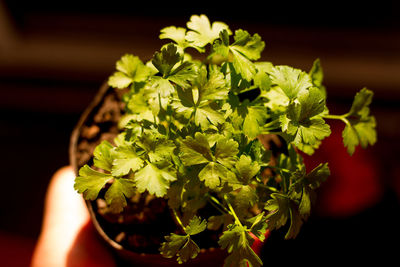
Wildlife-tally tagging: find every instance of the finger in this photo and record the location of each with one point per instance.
(65, 222)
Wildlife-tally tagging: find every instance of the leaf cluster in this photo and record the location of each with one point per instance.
(190, 134)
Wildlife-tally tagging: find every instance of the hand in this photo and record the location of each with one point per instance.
(68, 237)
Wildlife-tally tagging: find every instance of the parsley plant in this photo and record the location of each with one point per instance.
(191, 136)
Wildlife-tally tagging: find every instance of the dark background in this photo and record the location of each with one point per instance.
(54, 55)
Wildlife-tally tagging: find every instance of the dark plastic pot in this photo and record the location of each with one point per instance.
(209, 257)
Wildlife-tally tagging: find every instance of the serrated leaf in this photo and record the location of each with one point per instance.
(250, 46)
(166, 59)
(206, 116)
(182, 246)
(154, 179)
(130, 69)
(245, 198)
(361, 102)
(116, 195)
(303, 187)
(262, 81)
(119, 80)
(317, 76)
(195, 150)
(312, 103)
(125, 160)
(183, 75)
(89, 182)
(212, 174)
(244, 49)
(259, 226)
(237, 241)
(290, 80)
(303, 121)
(295, 224)
(243, 65)
(278, 207)
(202, 32)
(247, 168)
(195, 226)
(361, 126)
(226, 151)
(177, 34)
(103, 156)
(254, 121)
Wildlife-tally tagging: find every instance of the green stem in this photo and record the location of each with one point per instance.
(232, 211)
(270, 188)
(338, 117)
(178, 219)
(281, 169)
(214, 201)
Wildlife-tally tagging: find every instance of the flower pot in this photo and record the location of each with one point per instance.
(85, 136)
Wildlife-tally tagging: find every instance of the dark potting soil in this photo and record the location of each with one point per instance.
(146, 220)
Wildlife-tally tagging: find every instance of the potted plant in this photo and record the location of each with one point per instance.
(194, 154)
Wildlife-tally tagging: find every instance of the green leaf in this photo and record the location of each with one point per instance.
(183, 75)
(290, 80)
(195, 150)
(182, 246)
(262, 81)
(212, 174)
(361, 126)
(196, 226)
(259, 226)
(165, 60)
(177, 34)
(245, 198)
(202, 32)
(247, 45)
(155, 179)
(304, 185)
(130, 69)
(244, 49)
(238, 242)
(103, 156)
(125, 160)
(254, 120)
(278, 207)
(317, 76)
(206, 115)
(119, 80)
(89, 182)
(212, 88)
(226, 151)
(116, 195)
(246, 168)
(361, 102)
(312, 103)
(303, 121)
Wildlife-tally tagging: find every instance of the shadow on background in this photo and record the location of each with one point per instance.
(55, 55)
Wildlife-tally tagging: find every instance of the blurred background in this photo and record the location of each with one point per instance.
(54, 55)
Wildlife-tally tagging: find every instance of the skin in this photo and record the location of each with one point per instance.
(68, 237)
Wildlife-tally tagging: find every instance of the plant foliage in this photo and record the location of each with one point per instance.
(191, 135)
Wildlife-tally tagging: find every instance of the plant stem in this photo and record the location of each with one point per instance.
(178, 219)
(338, 117)
(273, 189)
(214, 201)
(232, 211)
